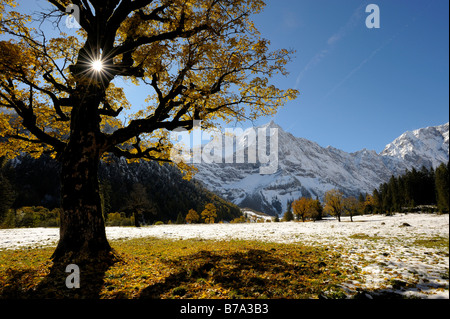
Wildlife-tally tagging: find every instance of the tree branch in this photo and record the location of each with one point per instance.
(29, 119)
(123, 10)
(171, 35)
(128, 155)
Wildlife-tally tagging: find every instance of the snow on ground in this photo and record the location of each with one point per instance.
(388, 252)
(256, 217)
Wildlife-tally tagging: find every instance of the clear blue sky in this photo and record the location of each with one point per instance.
(360, 88)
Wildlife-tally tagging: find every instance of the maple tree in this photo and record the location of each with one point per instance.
(197, 59)
(192, 217)
(301, 207)
(209, 214)
(334, 203)
(307, 208)
(351, 206)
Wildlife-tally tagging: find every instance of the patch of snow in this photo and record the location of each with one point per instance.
(257, 217)
(385, 252)
(307, 169)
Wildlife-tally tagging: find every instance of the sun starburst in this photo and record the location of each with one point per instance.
(97, 65)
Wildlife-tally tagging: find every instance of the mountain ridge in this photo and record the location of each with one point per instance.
(307, 169)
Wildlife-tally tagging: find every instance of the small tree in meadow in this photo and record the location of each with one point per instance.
(351, 206)
(334, 203)
(301, 208)
(192, 217)
(209, 213)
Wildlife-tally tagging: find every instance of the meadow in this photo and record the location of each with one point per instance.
(404, 256)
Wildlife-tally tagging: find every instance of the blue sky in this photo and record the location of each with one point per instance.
(360, 88)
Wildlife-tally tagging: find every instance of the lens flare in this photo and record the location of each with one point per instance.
(97, 65)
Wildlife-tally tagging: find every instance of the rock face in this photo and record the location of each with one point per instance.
(425, 147)
(304, 168)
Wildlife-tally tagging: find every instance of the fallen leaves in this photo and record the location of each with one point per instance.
(165, 269)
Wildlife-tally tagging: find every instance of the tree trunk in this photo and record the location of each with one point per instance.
(136, 219)
(82, 230)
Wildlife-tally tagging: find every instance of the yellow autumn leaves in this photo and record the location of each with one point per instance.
(166, 269)
(197, 60)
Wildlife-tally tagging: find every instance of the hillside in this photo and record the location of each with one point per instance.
(307, 169)
(163, 191)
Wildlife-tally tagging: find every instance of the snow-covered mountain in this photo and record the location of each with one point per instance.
(423, 147)
(307, 169)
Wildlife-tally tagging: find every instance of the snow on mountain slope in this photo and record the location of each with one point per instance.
(424, 147)
(307, 169)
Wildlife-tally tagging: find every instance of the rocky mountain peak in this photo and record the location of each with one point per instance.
(307, 169)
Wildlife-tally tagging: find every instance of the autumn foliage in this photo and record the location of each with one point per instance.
(63, 95)
(209, 214)
(198, 59)
(307, 208)
(192, 217)
(185, 269)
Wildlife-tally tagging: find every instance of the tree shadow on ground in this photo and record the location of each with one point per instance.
(249, 274)
(53, 285)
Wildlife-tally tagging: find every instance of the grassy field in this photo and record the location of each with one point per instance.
(375, 257)
(191, 269)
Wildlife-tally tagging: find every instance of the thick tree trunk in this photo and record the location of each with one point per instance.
(82, 230)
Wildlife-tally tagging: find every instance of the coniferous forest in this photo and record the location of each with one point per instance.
(423, 190)
(145, 193)
(132, 194)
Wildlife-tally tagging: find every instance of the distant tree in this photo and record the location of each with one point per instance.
(307, 208)
(442, 188)
(276, 203)
(377, 201)
(386, 197)
(351, 206)
(138, 202)
(361, 203)
(180, 219)
(288, 216)
(334, 203)
(239, 220)
(361, 197)
(369, 204)
(394, 195)
(419, 187)
(209, 213)
(300, 208)
(289, 204)
(428, 186)
(315, 210)
(105, 196)
(192, 217)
